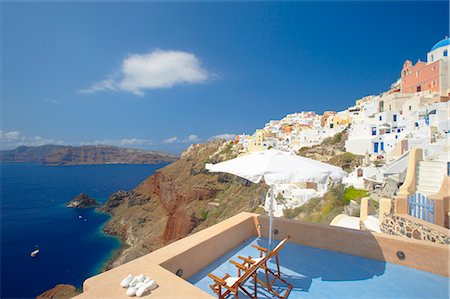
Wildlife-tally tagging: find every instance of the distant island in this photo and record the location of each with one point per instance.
(60, 155)
(82, 201)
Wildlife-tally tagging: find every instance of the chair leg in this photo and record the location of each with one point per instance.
(267, 278)
(278, 266)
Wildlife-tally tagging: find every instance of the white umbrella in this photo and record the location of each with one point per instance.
(277, 167)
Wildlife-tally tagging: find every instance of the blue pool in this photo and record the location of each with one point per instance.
(318, 273)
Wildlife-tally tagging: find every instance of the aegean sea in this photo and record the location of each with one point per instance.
(71, 243)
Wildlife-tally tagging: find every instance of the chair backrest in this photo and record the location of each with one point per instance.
(250, 271)
(278, 247)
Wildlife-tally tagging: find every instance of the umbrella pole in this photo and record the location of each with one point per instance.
(271, 217)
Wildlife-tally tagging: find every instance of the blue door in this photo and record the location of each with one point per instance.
(382, 146)
(375, 147)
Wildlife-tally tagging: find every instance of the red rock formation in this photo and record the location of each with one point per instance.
(60, 291)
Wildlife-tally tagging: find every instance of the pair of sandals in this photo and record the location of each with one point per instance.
(138, 285)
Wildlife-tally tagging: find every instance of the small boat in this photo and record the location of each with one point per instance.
(34, 253)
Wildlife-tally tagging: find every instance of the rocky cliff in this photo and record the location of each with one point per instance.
(60, 291)
(332, 151)
(82, 155)
(82, 201)
(178, 200)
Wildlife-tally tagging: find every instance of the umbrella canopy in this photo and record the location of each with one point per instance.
(278, 167)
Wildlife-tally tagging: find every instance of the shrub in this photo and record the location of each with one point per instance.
(353, 194)
(333, 140)
(204, 214)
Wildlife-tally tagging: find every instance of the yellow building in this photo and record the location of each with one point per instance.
(341, 119)
(363, 100)
(256, 142)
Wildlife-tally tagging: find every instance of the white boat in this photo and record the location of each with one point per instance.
(34, 253)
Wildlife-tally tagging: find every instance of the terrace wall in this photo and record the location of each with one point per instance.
(194, 252)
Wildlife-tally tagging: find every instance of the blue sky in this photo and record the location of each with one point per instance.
(160, 75)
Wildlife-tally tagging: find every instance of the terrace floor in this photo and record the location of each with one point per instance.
(318, 273)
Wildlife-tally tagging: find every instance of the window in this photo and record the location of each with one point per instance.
(395, 117)
(418, 88)
(445, 53)
(381, 117)
(417, 74)
(410, 108)
(432, 58)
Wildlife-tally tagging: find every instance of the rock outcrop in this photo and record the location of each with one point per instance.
(82, 201)
(178, 200)
(60, 291)
(83, 155)
(332, 151)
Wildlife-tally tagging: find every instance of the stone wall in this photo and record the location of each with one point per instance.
(399, 225)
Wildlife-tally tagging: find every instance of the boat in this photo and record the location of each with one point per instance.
(34, 253)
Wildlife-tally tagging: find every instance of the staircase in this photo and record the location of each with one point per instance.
(430, 175)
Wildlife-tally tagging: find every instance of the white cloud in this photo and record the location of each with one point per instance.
(107, 84)
(192, 138)
(9, 136)
(225, 136)
(157, 69)
(171, 140)
(13, 139)
(135, 141)
(189, 139)
(121, 142)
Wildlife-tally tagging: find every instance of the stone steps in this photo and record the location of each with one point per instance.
(430, 175)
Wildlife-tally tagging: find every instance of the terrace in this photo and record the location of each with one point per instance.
(314, 259)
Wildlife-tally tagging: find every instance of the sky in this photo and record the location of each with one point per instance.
(164, 75)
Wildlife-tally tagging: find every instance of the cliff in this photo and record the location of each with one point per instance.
(60, 291)
(178, 200)
(83, 155)
(332, 151)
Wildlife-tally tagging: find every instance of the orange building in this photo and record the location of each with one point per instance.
(325, 116)
(431, 75)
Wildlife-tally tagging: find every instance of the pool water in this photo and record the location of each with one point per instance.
(318, 273)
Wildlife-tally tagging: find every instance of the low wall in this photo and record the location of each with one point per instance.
(366, 244)
(205, 247)
(194, 252)
(414, 228)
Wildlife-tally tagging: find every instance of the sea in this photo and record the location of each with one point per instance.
(71, 243)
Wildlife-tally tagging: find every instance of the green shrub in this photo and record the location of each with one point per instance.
(353, 194)
(348, 157)
(333, 140)
(204, 214)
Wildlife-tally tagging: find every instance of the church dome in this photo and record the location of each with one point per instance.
(442, 43)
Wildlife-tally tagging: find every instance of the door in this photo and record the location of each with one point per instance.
(375, 147)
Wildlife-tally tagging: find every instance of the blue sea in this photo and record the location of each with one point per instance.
(72, 246)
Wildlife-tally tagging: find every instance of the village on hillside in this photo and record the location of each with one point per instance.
(408, 121)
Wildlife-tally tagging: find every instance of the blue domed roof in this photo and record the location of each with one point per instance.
(442, 43)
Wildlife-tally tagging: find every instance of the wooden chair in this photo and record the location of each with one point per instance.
(228, 285)
(265, 255)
